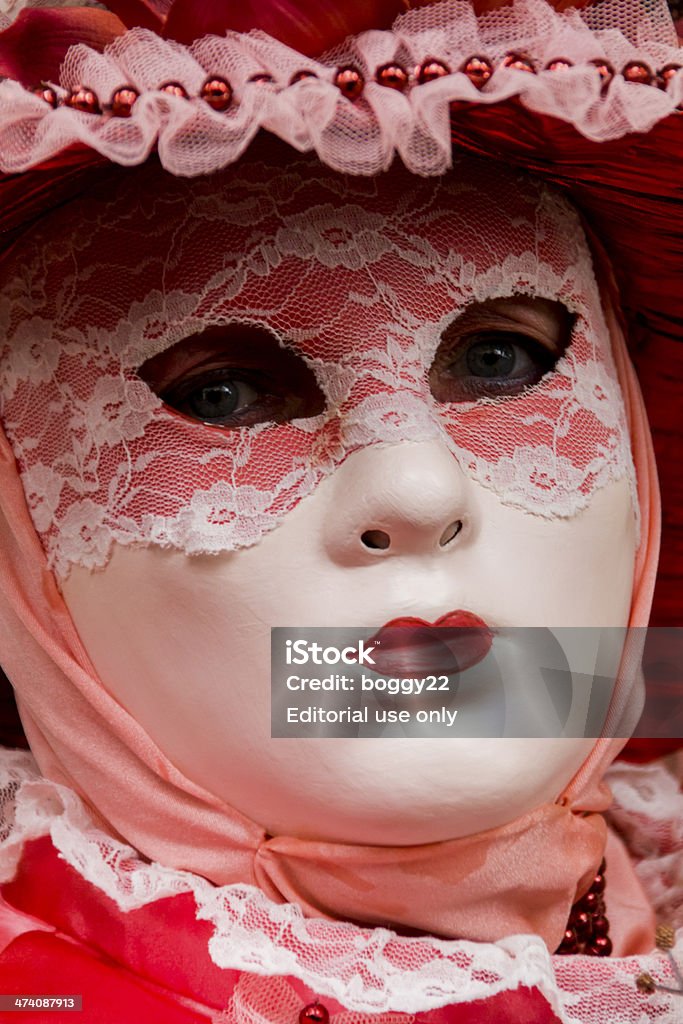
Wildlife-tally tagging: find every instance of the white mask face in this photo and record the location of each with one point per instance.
(388, 355)
(184, 644)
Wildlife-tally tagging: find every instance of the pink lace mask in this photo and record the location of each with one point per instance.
(349, 292)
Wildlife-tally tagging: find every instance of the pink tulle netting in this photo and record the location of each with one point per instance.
(360, 137)
(370, 970)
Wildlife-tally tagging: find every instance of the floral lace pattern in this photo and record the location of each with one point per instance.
(367, 970)
(360, 279)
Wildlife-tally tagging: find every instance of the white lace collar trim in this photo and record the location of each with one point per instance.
(367, 970)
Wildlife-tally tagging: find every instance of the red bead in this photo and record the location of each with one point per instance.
(589, 902)
(350, 82)
(48, 94)
(300, 75)
(636, 71)
(558, 64)
(430, 70)
(123, 101)
(598, 884)
(569, 942)
(314, 1013)
(666, 74)
(600, 946)
(605, 70)
(84, 99)
(478, 70)
(600, 925)
(519, 62)
(582, 923)
(262, 78)
(217, 92)
(174, 89)
(393, 76)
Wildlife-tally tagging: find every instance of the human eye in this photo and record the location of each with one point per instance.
(499, 348)
(234, 376)
(213, 396)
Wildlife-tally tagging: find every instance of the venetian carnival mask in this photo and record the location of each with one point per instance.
(278, 396)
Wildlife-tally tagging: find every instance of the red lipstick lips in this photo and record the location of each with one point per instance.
(409, 646)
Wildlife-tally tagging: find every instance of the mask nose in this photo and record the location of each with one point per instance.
(398, 500)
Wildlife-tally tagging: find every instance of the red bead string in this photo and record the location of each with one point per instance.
(217, 92)
(587, 929)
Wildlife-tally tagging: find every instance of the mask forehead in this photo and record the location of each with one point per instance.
(360, 277)
(297, 247)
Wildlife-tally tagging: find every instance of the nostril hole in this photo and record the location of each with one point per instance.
(376, 539)
(450, 533)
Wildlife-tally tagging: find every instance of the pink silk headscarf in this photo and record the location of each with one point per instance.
(521, 877)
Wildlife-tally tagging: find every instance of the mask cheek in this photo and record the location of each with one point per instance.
(220, 490)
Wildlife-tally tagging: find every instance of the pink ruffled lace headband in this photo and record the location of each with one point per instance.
(604, 70)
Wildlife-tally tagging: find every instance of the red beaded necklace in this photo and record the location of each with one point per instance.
(587, 929)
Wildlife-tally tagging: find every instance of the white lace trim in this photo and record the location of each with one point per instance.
(367, 970)
(359, 137)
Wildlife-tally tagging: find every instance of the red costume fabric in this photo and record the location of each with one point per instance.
(152, 965)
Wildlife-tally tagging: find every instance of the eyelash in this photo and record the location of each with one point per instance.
(468, 386)
(238, 356)
(181, 395)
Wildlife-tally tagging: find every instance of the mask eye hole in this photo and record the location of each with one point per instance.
(499, 348)
(234, 376)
